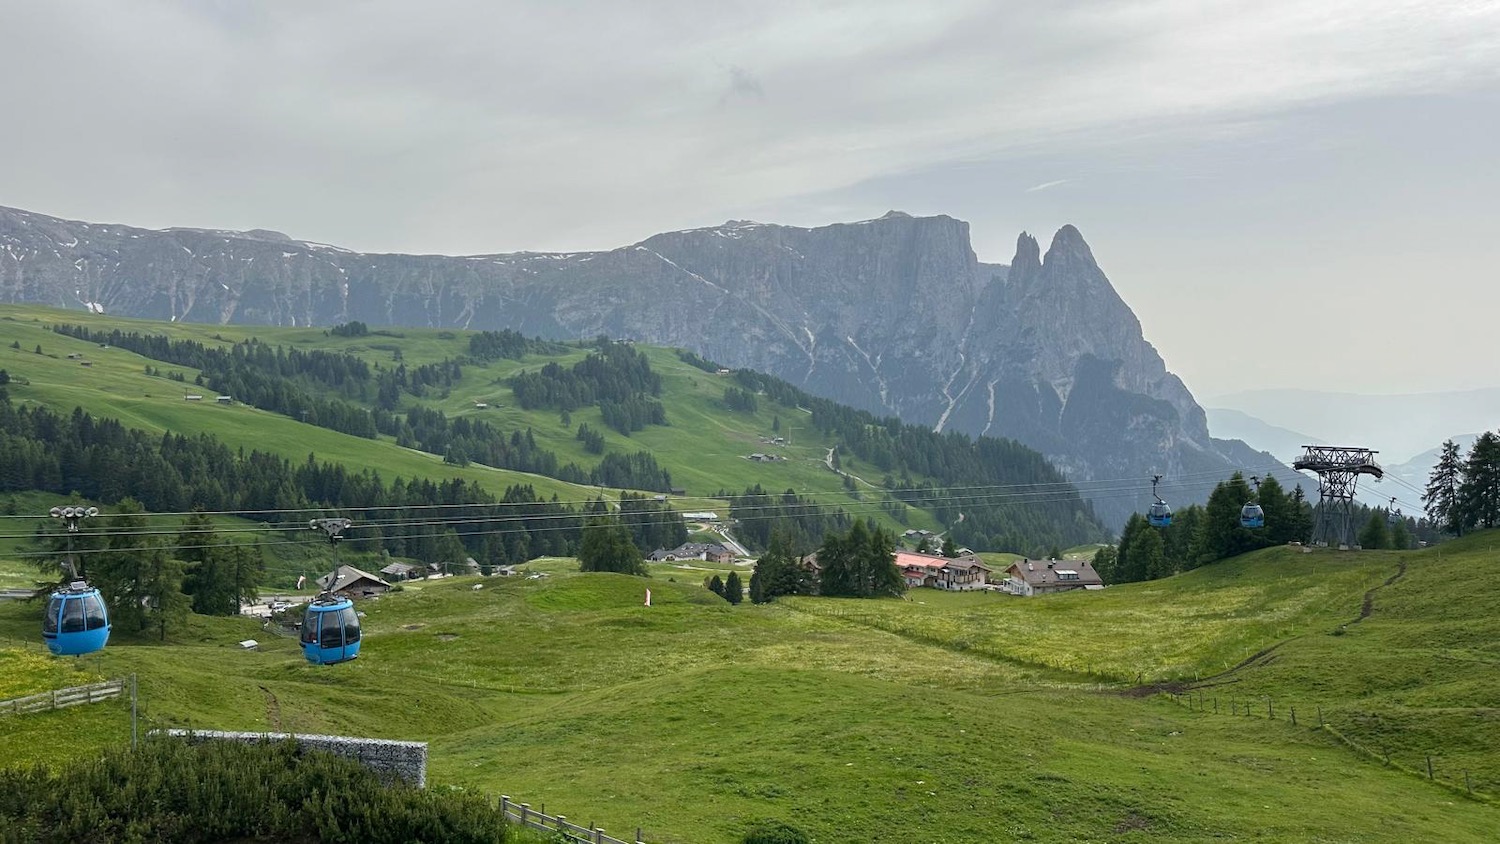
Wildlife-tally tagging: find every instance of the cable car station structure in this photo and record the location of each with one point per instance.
(1338, 468)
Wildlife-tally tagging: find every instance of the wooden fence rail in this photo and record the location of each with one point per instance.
(524, 815)
(59, 698)
(1251, 707)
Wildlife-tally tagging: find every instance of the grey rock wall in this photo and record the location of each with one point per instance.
(392, 760)
(893, 315)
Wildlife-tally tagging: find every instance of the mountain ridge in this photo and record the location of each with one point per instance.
(895, 315)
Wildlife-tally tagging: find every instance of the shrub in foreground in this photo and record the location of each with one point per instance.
(774, 832)
(168, 790)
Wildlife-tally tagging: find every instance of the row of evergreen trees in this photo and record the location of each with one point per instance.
(292, 382)
(857, 563)
(103, 461)
(1200, 535)
(505, 343)
(950, 461)
(1464, 492)
(149, 578)
(760, 514)
(729, 588)
(466, 440)
(615, 373)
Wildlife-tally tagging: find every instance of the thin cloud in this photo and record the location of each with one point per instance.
(1045, 185)
(591, 124)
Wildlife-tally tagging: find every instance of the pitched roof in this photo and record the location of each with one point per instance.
(966, 563)
(910, 559)
(345, 576)
(1040, 573)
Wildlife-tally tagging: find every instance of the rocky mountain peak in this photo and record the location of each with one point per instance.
(1028, 260)
(894, 315)
(1069, 246)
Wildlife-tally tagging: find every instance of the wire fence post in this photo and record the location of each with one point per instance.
(1320, 717)
(1294, 716)
(1468, 785)
(133, 729)
(1429, 766)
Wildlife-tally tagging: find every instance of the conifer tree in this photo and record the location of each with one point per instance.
(1127, 569)
(860, 564)
(1222, 535)
(779, 571)
(734, 591)
(1479, 494)
(1400, 535)
(838, 577)
(1441, 497)
(121, 570)
(1153, 556)
(883, 578)
(209, 574)
(1180, 540)
(716, 586)
(606, 546)
(1104, 563)
(166, 604)
(1281, 523)
(1373, 536)
(1302, 516)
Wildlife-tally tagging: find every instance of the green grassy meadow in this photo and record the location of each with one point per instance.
(943, 718)
(705, 446)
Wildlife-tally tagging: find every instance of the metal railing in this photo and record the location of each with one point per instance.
(524, 815)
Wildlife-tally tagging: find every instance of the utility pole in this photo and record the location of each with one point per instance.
(71, 516)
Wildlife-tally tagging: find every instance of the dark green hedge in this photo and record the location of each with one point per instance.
(168, 790)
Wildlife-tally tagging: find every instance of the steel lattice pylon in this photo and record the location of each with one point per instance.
(1338, 468)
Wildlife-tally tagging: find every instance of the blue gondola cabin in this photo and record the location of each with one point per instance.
(76, 622)
(330, 630)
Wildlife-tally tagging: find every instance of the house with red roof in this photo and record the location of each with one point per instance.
(959, 574)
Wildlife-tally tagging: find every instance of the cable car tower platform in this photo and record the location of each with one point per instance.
(1338, 468)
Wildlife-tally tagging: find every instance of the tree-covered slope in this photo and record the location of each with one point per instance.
(497, 410)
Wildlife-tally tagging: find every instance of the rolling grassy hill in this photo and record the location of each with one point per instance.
(947, 718)
(704, 446)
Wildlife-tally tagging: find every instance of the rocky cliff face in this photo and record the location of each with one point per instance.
(894, 315)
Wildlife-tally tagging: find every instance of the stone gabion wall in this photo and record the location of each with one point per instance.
(392, 760)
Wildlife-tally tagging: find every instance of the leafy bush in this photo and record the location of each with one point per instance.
(169, 790)
(774, 832)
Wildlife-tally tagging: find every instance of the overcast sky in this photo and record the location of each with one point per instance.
(1289, 193)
